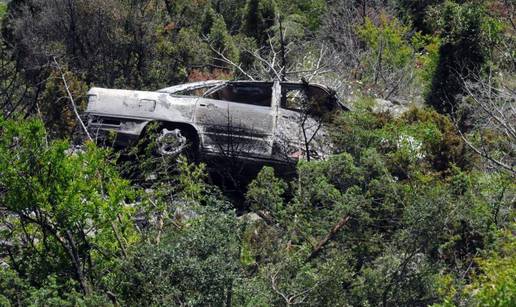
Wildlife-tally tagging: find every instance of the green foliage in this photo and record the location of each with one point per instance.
(392, 220)
(267, 191)
(13, 288)
(190, 255)
(16, 292)
(415, 12)
(69, 205)
(411, 213)
(231, 10)
(398, 217)
(468, 35)
(207, 21)
(221, 40)
(3, 10)
(391, 54)
(496, 284)
(310, 11)
(56, 108)
(427, 59)
(493, 283)
(259, 16)
(421, 137)
(389, 39)
(194, 264)
(191, 181)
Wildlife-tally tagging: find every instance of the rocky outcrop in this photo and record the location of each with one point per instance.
(394, 107)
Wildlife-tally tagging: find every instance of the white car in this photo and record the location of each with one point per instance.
(258, 120)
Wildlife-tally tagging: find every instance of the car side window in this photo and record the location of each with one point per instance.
(305, 98)
(293, 99)
(252, 94)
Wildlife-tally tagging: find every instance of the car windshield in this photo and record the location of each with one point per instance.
(193, 88)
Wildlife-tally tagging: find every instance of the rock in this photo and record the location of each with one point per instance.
(386, 106)
(250, 217)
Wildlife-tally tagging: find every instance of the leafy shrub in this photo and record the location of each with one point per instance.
(66, 209)
(392, 52)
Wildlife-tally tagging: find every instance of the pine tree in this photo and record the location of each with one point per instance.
(221, 40)
(259, 16)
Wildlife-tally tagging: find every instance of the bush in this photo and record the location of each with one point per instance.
(64, 210)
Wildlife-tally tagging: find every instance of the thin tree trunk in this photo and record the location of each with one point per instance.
(74, 255)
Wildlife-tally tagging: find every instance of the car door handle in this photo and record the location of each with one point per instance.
(206, 105)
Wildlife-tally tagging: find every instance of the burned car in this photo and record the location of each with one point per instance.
(257, 120)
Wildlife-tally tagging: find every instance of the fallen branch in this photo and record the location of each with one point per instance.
(294, 299)
(318, 248)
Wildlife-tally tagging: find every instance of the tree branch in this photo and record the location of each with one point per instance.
(70, 97)
(319, 247)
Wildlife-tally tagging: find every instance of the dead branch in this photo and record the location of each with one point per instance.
(221, 57)
(270, 65)
(485, 155)
(72, 101)
(495, 112)
(319, 247)
(294, 299)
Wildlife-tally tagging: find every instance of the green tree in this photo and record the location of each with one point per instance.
(259, 16)
(66, 209)
(195, 263)
(231, 10)
(415, 12)
(3, 10)
(375, 225)
(190, 248)
(311, 12)
(496, 284)
(221, 41)
(467, 33)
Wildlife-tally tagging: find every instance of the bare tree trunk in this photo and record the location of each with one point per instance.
(119, 240)
(283, 54)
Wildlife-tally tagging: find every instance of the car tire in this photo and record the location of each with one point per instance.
(169, 140)
(172, 141)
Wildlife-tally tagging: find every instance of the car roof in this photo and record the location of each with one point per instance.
(183, 86)
(200, 84)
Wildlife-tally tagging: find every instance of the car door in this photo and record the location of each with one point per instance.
(251, 119)
(211, 117)
(238, 119)
(289, 140)
(299, 132)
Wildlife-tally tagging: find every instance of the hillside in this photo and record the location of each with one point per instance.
(414, 207)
